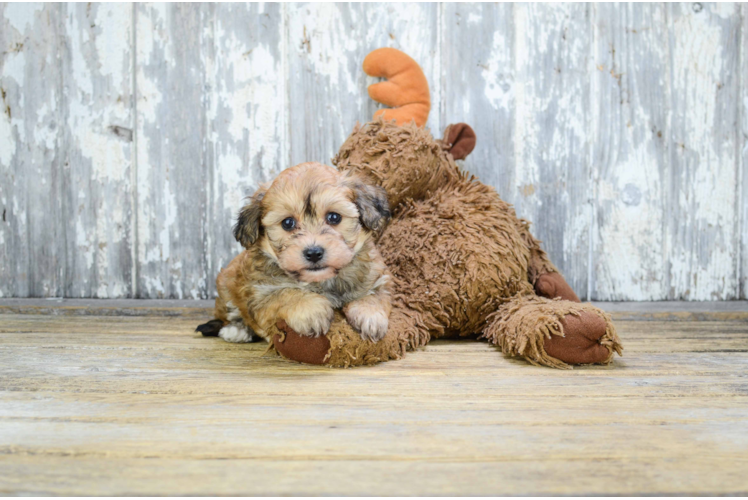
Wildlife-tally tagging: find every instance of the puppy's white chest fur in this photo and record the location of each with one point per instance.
(336, 290)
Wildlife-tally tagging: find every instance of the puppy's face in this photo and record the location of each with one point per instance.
(312, 220)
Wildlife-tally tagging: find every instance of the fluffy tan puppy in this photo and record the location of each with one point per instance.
(309, 249)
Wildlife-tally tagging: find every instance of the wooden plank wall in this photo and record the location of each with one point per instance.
(129, 134)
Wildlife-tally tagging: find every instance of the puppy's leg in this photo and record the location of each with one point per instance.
(370, 315)
(307, 313)
(236, 330)
(237, 333)
(213, 327)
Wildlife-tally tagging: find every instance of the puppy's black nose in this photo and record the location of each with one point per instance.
(314, 254)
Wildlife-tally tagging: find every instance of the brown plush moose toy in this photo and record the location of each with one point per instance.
(463, 263)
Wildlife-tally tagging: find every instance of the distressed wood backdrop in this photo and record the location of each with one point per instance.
(129, 134)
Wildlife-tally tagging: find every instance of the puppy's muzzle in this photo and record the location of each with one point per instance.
(314, 254)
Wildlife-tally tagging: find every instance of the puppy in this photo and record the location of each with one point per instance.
(309, 249)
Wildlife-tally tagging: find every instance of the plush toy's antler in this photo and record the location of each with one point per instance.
(406, 89)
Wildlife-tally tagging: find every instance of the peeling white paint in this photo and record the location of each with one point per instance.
(567, 101)
(631, 229)
(80, 48)
(115, 22)
(552, 47)
(525, 133)
(7, 140)
(21, 15)
(326, 44)
(703, 251)
(498, 87)
(83, 245)
(12, 128)
(98, 100)
(629, 157)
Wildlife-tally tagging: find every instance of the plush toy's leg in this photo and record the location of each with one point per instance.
(553, 285)
(555, 333)
(344, 347)
(543, 275)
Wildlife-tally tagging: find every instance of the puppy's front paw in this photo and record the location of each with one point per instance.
(310, 319)
(235, 333)
(370, 322)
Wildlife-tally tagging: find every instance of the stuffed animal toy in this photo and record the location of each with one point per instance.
(463, 264)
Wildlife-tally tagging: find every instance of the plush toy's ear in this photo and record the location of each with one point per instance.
(371, 200)
(459, 140)
(247, 227)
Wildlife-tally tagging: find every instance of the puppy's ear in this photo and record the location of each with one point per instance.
(247, 227)
(371, 200)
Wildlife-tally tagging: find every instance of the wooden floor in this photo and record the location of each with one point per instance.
(141, 405)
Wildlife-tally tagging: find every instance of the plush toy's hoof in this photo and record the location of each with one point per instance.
(553, 332)
(580, 344)
(554, 285)
(343, 346)
(291, 345)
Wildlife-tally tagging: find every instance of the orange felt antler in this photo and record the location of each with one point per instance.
(406, 89)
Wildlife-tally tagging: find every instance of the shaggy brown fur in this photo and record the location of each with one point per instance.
(463, 263)
(309, 251)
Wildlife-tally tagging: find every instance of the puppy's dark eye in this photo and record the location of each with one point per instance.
(334, 218)
(288, 223)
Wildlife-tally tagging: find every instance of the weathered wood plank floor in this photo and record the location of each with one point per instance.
(142, 405)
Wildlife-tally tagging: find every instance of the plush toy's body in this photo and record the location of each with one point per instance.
(463, 264)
